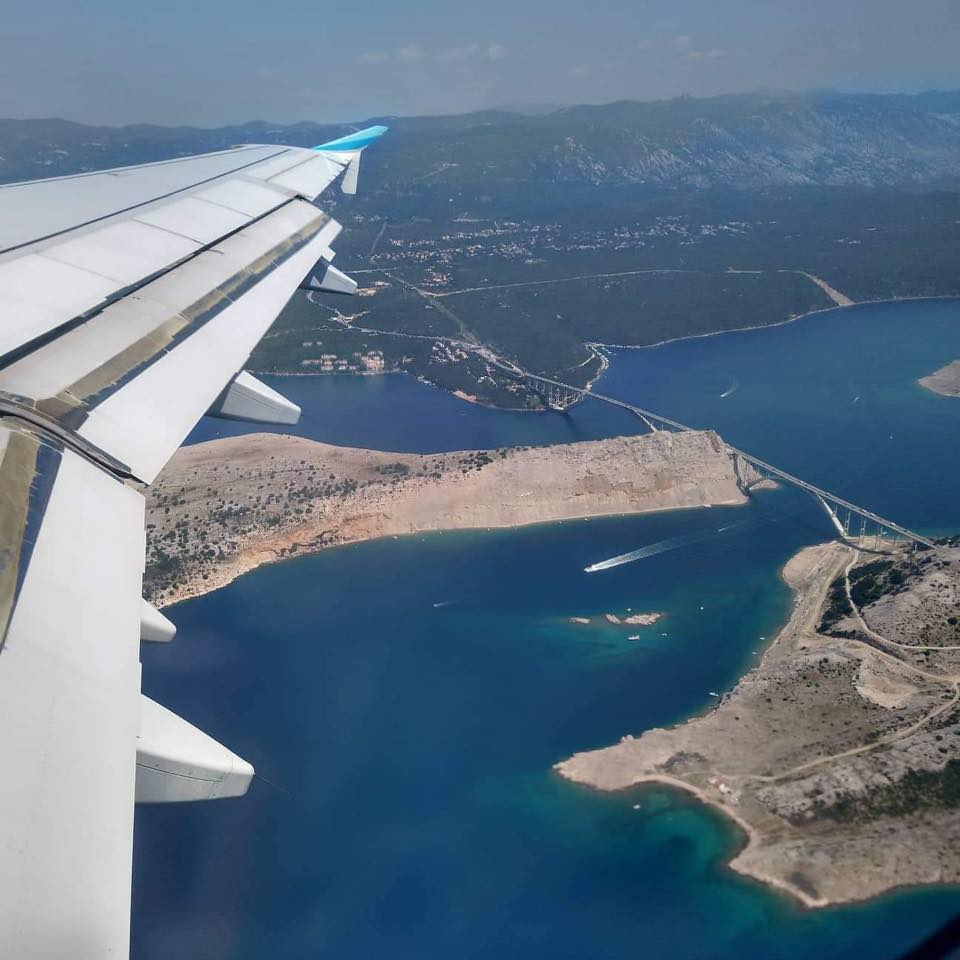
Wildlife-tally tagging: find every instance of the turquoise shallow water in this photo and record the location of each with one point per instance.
(416, 741)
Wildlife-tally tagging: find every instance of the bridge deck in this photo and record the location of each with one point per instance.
(649, 416)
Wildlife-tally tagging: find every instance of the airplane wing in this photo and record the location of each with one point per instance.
(130, 301)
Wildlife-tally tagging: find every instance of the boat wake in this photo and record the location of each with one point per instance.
(734, 386)
(661, 546)
(687, 539)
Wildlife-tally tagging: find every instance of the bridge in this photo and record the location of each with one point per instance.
(558, 396)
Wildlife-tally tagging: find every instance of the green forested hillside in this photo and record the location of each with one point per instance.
(532, 237)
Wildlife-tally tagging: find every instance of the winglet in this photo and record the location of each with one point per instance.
(354, 141)
(349, 149)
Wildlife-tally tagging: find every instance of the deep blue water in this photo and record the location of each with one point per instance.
(416, 742)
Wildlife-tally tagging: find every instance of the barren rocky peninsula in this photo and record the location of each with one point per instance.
(839, 753)
(224, 507)
(945, 381)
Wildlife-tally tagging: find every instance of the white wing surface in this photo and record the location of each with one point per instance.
(130, 301)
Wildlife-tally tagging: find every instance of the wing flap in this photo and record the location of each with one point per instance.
(69, 686)
(135, 378)
(72, 373)
(144, 421)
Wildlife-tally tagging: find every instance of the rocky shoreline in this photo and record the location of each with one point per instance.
(225, 507)
(945, 381)
(838, 754)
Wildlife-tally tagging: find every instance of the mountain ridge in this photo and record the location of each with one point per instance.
(736, 141)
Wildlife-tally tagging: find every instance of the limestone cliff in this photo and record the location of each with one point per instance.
(223, 507)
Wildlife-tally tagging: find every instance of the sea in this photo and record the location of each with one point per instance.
(406, 699)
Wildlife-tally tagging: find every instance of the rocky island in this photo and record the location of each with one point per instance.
(224, 507)
(839, 753)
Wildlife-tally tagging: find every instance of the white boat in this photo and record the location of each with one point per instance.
(635, 636)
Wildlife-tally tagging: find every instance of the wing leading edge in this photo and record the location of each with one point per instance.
(131, 302)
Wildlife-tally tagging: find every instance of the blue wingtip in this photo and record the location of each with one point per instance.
(354, 141)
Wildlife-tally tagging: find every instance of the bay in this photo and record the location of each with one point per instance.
(412, 695)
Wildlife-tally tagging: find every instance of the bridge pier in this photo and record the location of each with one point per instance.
(747, 474)
(841, 522)
(649, 425)
(552, 395)
(563, 394)
(831, 513)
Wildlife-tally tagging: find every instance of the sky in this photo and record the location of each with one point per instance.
(212, 63)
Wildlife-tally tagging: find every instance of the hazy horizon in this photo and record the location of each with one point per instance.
(115, 63)
(529, 109)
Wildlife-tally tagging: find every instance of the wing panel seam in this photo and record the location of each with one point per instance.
(144, 203)
(24, 349)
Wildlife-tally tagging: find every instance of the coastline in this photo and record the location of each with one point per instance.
(748, 835)
(740, 862)
(751, 836)
(267, 497)
(249, 561)
(780, 323)
(813, 750)
(599, 346)
(944, 382)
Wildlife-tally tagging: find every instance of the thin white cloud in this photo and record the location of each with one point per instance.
(683, 40)
(410, 53)
(456, 54)
(714, 53)
(580, 70)
(645, 44)
(413, 53)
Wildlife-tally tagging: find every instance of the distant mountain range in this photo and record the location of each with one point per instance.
(742, 142)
